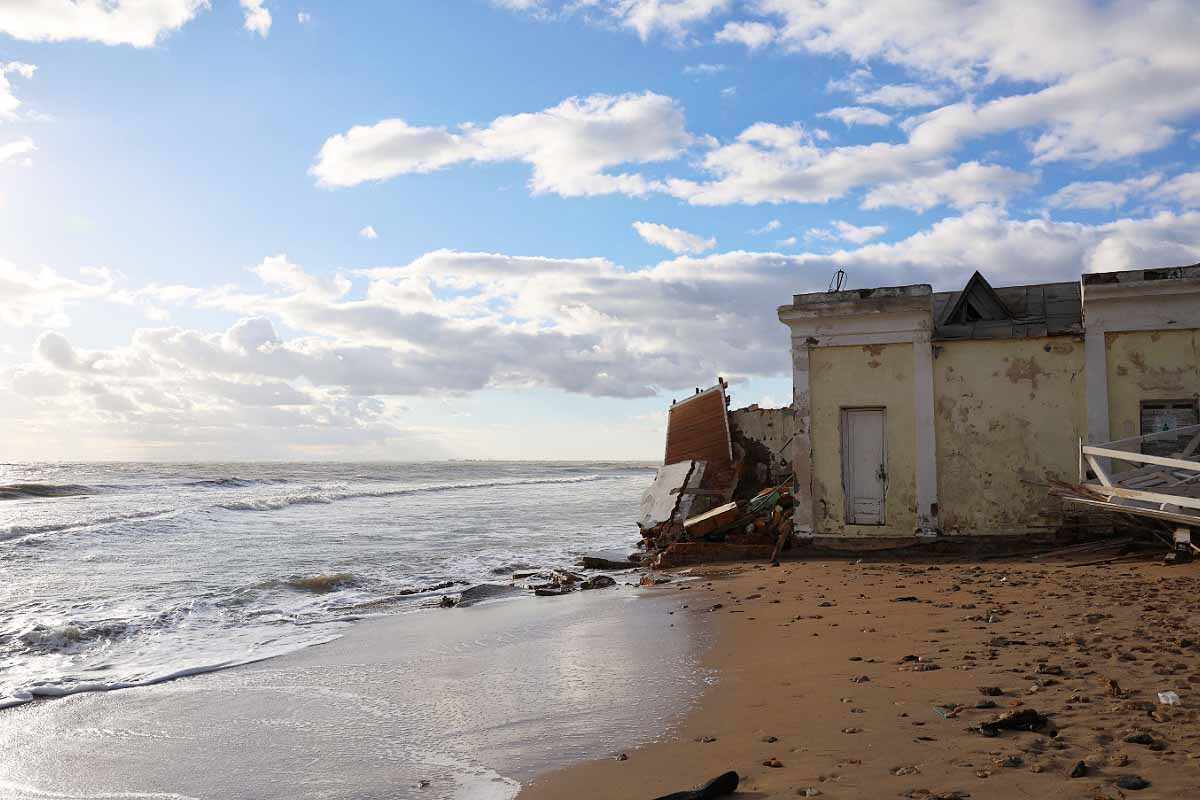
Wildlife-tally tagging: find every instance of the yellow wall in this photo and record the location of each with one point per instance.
(1009, 413)
(1148, 365)
(854, 377)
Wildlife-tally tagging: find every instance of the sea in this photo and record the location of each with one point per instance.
(116, 576)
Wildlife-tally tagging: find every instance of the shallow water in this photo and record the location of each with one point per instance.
(470, 702)
(120, 575)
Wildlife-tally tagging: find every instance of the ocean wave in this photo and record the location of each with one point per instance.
(234, 482)
(26, 694)
(323, 583)
(17, 532)
(325, 496)
(26, 491)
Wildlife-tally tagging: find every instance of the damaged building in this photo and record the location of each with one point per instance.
(922, 413)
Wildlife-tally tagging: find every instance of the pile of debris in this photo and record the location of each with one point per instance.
(706, 504)
(545, 582)
(1159, 488)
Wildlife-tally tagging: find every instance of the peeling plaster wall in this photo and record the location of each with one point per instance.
(773, 429)
(1009, 413)
(869, 376)
(1148, 365)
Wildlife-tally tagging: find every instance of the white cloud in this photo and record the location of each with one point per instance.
(704, 70)
(769, 163)
(571, 146)
(773, 225)
(788, 242)
(968, 184)
(729, 91)
(1183, 189)
(1095, 103)
(42, 298)
(17, 152)
(1101, 194)
(258, 17)
(303, 17)
(672, 18)
(674, 239)
(8, 101)
(454, 322)
(858, 234)
(140, 23)
(369, 232)
(901, 95)
(857, 115)
(754, 35)
(845, 231)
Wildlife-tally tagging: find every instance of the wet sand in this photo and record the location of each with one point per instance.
(830, 672)
(470, 700)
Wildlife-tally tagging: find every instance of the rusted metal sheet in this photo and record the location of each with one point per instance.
(698, 429)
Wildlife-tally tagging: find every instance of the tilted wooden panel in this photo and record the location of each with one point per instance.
(698, 429)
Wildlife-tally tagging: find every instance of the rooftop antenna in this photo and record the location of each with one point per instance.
(838, 281)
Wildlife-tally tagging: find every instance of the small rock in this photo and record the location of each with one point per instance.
(1080, 770)
(861, 679)
(1139, 737)
(991, 691)
(774, 763)
(1133, 782)
(622, 757)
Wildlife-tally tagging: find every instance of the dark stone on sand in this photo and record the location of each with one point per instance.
(602, 563)
(1025, 719)
(1139, 737)
(986, 704)
(1080, 770)
(485, 591)
(553, 591)
(991, 691)
(1132, 782)
(721, 786)
(598, 582)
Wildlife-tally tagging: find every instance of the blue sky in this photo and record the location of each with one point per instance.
(184, 188)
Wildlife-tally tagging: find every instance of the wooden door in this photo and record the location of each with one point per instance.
(864, 464)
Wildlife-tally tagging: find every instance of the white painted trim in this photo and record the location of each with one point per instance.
(1095, 360)
(858, 322)
(1181, 501)
(926, 436)
(1172, 304)
(1142, 458)
(850, 330)
(804, 515)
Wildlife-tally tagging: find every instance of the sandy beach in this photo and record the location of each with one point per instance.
(854, 679)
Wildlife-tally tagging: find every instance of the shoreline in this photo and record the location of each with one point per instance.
(464, 699)
(859, 679)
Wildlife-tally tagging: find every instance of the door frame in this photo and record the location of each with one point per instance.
(848, 464)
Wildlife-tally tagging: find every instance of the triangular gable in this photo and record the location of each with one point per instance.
(977, 301)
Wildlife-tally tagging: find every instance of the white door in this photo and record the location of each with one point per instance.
(864, 464)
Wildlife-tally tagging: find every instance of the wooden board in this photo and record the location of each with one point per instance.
(698, 429)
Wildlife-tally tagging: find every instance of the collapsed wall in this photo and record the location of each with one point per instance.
(765, 436)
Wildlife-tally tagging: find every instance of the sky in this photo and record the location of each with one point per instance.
(517, 229)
